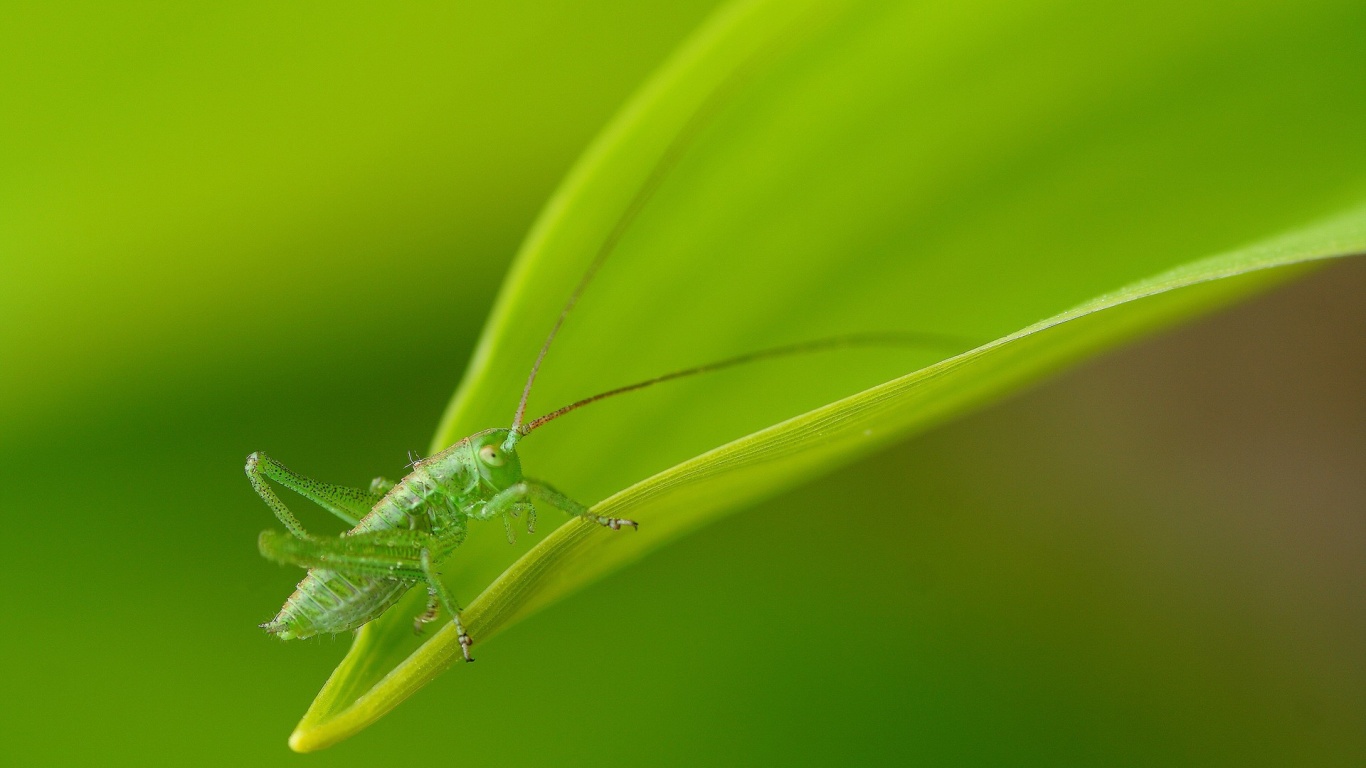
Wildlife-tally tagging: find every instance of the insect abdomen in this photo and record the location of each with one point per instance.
(327, 602)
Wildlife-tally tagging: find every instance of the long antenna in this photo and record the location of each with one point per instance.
(647, 190)
(817, 345)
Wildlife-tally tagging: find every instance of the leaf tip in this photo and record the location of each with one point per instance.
(304, 740)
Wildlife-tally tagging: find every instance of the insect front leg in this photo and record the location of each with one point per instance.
(530, 515)
(515, 509)
(527, 490)
(349, 504)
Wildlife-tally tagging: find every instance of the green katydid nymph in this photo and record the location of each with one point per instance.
(402, 531)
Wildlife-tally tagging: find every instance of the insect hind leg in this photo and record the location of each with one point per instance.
(349, 504)
(383, 554)
(256, 474)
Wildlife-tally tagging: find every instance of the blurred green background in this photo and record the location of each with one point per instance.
(280, 227)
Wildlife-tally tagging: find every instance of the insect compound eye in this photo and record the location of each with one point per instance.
(490, 456)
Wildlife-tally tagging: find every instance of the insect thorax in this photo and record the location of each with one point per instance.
(444, 488)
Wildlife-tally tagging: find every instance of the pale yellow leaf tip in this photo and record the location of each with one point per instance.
(299, 742)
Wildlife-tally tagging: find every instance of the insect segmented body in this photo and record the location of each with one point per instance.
(401, 531)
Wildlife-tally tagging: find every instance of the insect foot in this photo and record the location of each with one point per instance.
(465, 643)
(615, 523)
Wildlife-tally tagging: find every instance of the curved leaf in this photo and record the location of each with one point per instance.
(821, 168)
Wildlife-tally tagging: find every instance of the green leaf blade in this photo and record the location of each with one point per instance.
(808, 206)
